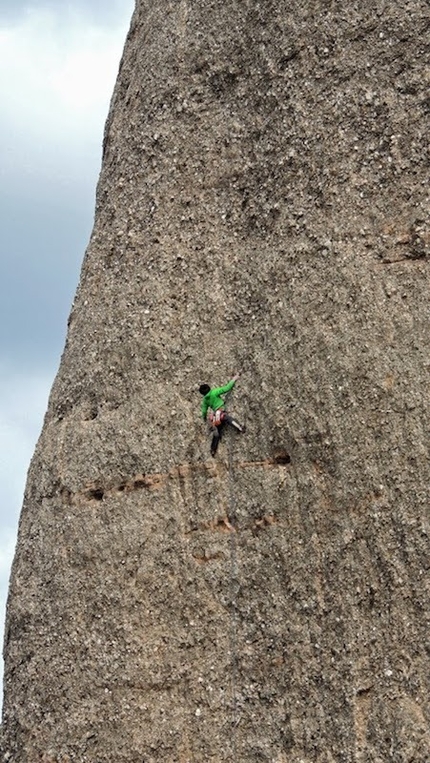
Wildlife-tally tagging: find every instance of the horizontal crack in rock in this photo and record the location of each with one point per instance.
(157, 480)
(222, 524)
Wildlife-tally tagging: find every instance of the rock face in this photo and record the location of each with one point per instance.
(261, 207)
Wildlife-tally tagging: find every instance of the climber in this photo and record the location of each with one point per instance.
(218, 416)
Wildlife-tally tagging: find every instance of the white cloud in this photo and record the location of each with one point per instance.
(57, 73)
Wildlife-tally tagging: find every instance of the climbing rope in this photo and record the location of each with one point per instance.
(233, 587)
(233, 584)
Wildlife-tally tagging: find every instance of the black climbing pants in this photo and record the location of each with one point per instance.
(217, 431)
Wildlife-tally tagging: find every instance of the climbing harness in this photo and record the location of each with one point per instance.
(216, 417)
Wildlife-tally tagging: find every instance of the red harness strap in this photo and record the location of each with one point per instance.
(216, 417)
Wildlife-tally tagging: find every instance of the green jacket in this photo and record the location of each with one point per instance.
(213, 398)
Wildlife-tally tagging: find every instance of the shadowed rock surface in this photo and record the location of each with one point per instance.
(261, 206)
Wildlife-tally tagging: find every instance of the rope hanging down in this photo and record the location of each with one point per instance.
(233, 586)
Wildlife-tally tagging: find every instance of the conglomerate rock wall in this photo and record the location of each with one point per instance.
(261, 207)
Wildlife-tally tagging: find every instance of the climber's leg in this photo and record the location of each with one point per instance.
(233, 423)
(216, 437)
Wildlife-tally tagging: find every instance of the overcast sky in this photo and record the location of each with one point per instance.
(58, 64)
